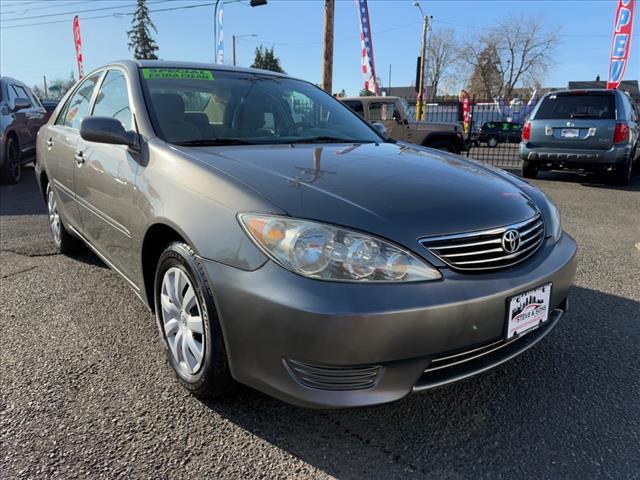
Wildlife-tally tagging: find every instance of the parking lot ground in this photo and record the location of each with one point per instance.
(85, 391)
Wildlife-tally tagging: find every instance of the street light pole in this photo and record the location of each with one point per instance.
(234, 39)
(252, 4)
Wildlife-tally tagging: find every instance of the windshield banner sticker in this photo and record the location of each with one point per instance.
(180, 73)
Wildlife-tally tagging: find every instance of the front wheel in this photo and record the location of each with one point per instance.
(11, 170)
(492, 142)
(189, 323)
(529, 169)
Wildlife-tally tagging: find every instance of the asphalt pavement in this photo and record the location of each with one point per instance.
(85, 391)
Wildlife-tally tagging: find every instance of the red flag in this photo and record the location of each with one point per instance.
(464, 99)
(78, 44)
(621, 44)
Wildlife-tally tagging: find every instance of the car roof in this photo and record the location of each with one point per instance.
(369, 97)
(586, 90)
(135, 64)
(12, 80)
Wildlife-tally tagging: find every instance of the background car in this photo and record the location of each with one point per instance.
(49, 105)
(589, 130)
(393, 113)
(493, 133)
(21, 116)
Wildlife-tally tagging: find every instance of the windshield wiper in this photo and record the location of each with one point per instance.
(328, 139)
(214, 142)
(583, 115)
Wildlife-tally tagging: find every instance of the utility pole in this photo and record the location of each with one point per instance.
(46, 92)
(423, 63)
(327, 50)
(233, 43)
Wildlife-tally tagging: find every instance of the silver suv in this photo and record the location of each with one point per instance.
(592, 130)
(21, 116)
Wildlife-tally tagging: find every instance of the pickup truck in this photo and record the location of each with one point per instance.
(392, 113)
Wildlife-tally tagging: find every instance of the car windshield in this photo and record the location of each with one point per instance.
(210, 107)
(594, 105)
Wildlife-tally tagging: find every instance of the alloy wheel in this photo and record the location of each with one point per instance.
(182, 321)
(54, 217)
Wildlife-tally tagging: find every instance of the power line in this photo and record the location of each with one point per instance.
(48, 5)
(114, 15)
(82, 11)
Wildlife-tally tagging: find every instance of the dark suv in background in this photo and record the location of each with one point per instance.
(493, 133)
(21, 116)
(590, 130)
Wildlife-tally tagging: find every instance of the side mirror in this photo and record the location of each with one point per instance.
(107, 130)
(21, 103)
(380, 128)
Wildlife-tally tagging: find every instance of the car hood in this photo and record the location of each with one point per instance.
(398, 191)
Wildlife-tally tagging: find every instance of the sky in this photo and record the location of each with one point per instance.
(294, 28)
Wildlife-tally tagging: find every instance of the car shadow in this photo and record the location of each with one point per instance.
(594, 180)
(529, 418)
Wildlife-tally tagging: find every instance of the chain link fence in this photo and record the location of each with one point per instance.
(495, 129)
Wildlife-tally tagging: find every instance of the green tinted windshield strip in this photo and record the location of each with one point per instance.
(177, 73)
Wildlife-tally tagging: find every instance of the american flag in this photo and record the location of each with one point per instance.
(366, 43)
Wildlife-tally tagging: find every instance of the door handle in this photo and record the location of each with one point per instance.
(79, 156)
(50, 143)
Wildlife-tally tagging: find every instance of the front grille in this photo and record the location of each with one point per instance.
(323, 377)
(485, 250)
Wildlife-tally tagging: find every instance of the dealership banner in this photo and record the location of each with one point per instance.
(220, 39)
(78, 44)
(465, 101)
(366, 44)
(621, 44)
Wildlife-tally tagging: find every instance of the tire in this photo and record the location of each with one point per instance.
(444, 146)
(622, 173)
(492, 142)
(65, 242)
(529, 169)
(183, 337)
(11, 168)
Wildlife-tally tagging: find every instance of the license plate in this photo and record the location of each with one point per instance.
(528, 310)
(570, 133)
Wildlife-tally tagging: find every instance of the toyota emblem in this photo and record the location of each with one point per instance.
(511, 241)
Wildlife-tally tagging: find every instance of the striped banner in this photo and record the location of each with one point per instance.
(220, 46)
(366, 44)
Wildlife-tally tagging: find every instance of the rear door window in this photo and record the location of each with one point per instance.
(577, 105)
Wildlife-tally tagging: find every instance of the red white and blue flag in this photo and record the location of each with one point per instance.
(366, 44)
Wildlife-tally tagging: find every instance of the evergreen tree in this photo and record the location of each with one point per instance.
(266, 60)
(144, 47)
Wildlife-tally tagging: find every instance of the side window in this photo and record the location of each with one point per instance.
(78, 105)
(356, 106)
(21, 92)
(113, 99)
(382, 111)
(11, 93)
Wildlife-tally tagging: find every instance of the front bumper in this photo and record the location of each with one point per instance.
(301, 340)
(574, 158)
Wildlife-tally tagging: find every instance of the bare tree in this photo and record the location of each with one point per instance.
(443, 58)
(515, 53)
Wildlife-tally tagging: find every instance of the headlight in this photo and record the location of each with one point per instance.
(554, 215)
(325, 252)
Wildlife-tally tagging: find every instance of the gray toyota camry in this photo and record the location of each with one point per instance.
(285, 244)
